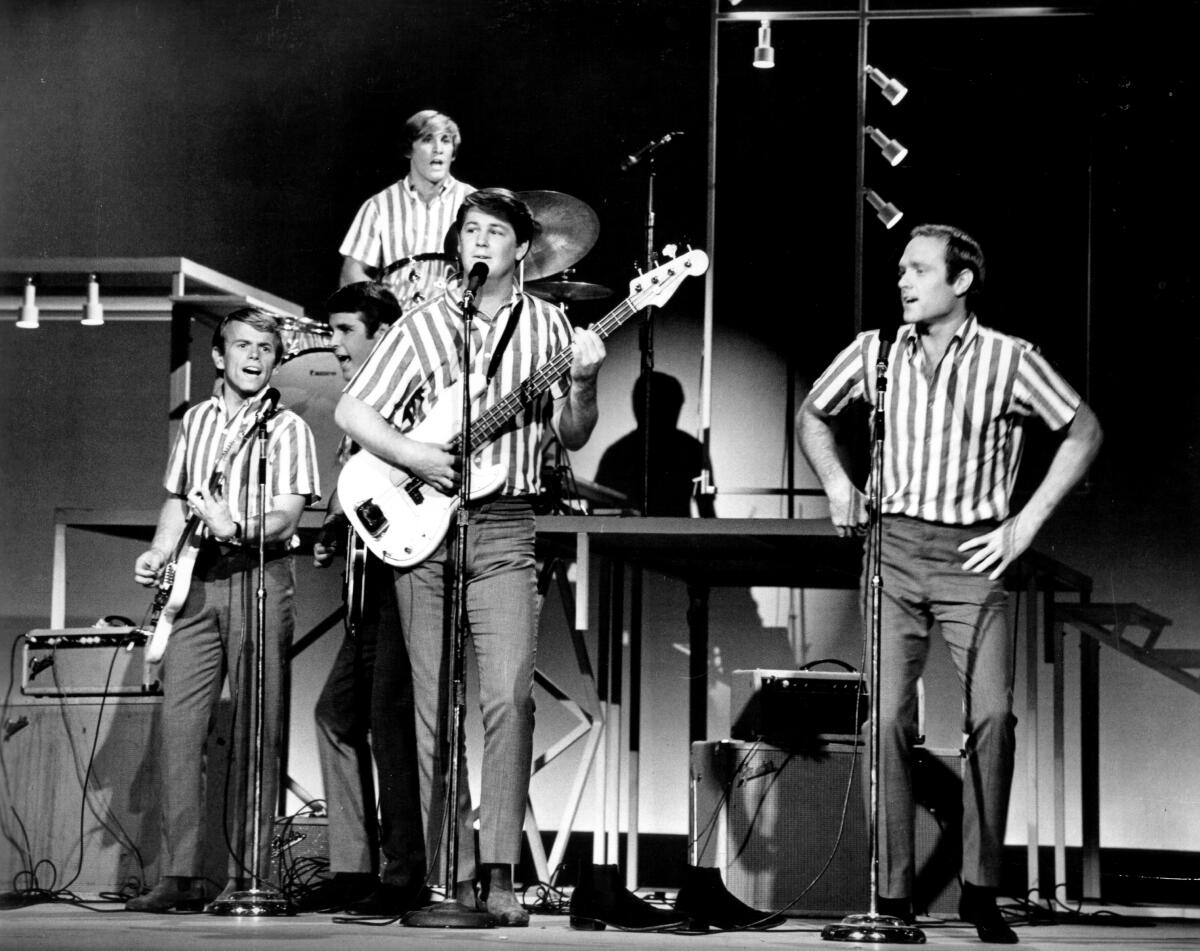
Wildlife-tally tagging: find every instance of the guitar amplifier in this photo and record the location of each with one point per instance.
(789, 832)
(791, 708)
(87, 662)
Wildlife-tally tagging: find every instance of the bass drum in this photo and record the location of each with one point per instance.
(310, 385)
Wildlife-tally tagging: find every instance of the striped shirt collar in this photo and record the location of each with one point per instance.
(410, 189)
(218, 400)
(964, 335)
(453, 301)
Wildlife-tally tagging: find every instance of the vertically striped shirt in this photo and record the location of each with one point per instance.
(419, 357)
(210, 436)
(396, 224)
(953, 440)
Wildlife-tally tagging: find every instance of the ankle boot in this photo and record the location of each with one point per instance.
(599, 900)
(977, 905)
(707, 903)
(900, 908)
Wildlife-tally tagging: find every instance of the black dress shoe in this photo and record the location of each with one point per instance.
(170, 894)
(977, 905)
(901, 908)
(391, 901)
(707, 903)
(338, 892)
(600, 900)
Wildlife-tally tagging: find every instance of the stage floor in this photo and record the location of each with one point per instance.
(63, 927)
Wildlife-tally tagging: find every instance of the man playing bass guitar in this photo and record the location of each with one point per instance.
(416, 362)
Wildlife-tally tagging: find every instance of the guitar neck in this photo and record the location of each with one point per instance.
(484, 429)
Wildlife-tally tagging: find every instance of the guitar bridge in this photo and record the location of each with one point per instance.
(372, 517)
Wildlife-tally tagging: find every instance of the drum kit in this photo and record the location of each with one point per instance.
(569, 228)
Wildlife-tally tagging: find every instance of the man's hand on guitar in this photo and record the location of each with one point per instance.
(330, 541)
(433, 464)
(587, 354)
(148, 567)
(213, 510)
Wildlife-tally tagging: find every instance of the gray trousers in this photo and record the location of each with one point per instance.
(924, 586)
(501, 610)
(211, 639)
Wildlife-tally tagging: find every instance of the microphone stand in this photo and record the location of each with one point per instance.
(258, 901)
(451, 913)
(874, 928)
(646, 340)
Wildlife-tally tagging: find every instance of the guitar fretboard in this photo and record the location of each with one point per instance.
(488, 425)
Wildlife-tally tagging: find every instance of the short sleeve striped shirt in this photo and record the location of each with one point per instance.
(209, 436)
(397, 223)
(953, 440)
(419, 358)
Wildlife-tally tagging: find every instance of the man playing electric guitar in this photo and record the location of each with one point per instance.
(369, 688)
(402, 381)
(210, 637)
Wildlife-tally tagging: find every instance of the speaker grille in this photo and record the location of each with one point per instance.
(770, 820)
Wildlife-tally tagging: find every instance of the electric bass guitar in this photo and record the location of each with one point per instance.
(403, 519)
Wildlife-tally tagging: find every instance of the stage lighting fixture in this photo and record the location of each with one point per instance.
(29, 309)
(885, 211)
(764, 53)
(893, 89)
(93, 311)
(892, 150)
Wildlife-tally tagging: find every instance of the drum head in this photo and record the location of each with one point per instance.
(310, 385)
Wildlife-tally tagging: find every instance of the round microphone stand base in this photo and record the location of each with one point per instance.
(873, 929)
(449, 914)
(251, 903)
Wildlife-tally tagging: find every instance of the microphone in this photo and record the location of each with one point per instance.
(270, 404)
(475, 280)
(648, 149)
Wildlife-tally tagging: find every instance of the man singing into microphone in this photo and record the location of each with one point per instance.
(958, 395)
(406, 373)
(211, 635)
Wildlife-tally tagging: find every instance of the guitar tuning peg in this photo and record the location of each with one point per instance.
(671, 250)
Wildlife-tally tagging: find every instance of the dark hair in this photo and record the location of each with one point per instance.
(962, 253)
(503, 204)
(432, 121)
(666, 398)
(255, 317)
(374, 303)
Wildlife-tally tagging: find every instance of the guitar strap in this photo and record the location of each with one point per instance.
(505, 337)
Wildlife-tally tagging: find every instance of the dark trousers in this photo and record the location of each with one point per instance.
(367, 706)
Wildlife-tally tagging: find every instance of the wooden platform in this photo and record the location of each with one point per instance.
(104, 927)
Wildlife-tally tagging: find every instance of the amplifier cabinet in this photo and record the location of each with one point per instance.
(87, 662)
(770, 820)
(112, 837)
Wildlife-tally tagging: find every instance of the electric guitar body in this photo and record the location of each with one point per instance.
(173, 589)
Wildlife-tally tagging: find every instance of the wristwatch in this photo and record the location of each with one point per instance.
(234, 539)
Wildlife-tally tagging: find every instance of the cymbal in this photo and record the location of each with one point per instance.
(569, 230)
(558, 291)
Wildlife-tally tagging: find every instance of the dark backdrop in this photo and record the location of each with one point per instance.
(245, 134)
